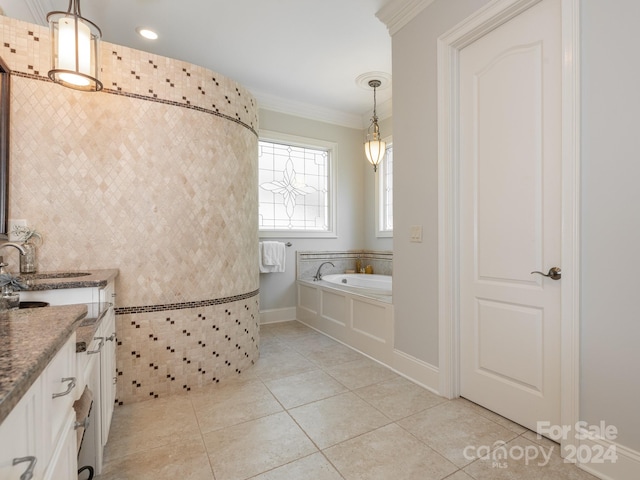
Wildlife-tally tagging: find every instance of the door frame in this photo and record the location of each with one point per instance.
(489, 17)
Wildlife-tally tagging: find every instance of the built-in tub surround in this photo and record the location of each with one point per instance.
(157, 176)
(361, 320)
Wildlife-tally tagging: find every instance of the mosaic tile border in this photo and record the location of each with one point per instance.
(148, 99)
(26, 48)
(307, 262)
(185, 305)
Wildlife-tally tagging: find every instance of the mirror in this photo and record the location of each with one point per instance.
(5, 82)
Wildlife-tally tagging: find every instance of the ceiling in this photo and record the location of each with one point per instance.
(296, 56)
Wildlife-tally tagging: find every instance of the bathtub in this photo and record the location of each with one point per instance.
(373, 284)
(358, 312)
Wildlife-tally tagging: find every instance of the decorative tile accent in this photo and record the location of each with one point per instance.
(26, 49)
(182, 306)
(159, 354)
(307, 263)
(155, 176)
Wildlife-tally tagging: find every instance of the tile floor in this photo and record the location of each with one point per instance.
(312, 409)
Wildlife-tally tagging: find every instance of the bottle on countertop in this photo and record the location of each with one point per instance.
(358, 265)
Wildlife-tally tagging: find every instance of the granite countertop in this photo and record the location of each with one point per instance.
(68, 279)
(23, 355)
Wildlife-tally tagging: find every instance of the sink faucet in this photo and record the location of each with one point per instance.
(318, 274)
(14, 245)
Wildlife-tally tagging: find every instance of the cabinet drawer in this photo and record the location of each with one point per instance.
(64, 463)
(61, 386)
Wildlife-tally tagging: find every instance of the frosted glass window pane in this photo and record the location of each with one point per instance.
(293, 187)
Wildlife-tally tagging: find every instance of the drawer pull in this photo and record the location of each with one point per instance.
(28, 473)
(97, 350)
(111, 338)
(71, 386)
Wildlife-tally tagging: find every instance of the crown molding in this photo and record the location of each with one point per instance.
(397, 13)
(304, 110)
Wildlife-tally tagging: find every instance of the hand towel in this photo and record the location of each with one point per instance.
(272, 257)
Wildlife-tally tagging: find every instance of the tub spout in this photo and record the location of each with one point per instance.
(318, 275)
(14, 245)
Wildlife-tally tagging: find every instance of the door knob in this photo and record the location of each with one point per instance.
(555, 273)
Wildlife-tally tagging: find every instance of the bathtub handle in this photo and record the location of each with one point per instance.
(555, 273)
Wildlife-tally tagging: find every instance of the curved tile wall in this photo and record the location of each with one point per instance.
(155, 176)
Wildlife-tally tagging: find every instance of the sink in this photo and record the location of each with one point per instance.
(33, 304)
(43, 276)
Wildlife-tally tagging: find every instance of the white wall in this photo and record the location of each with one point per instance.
(278, 290)
(610, 321)
(371, 242)
(610, 264)
(415, 265)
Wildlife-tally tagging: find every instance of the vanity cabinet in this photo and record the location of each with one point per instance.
(96, 368)
(39, 433)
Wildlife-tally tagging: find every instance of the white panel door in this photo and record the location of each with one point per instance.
(510, 216)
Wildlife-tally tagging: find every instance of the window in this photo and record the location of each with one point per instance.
(384, 201)
(296, 193)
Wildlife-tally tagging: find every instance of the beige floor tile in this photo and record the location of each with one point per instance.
(496, 467)
(311, 340)
(287, 363)
(398, 398)
(499, 419)
(338, 418)
(545, 442)
(360, 373)
(313, 467)
(387, 453)
(154, 423)
(304, 388)
(450, 427)
(254, 447)
(459, 475)
(217, 408)
(186, 460)
(331, 355)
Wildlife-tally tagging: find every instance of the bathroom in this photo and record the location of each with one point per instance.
(111, 211)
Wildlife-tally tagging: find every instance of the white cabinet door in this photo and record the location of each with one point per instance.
(108, 374)
(60, 388)
(64, 463)
(21, 438)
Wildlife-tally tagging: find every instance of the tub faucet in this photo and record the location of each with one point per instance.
(318, 274)
(14, 245)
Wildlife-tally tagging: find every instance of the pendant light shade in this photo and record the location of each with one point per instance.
(75, 49)
(374, 147)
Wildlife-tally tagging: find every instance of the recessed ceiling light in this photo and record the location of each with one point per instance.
(147, 33)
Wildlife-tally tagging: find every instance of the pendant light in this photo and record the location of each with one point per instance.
(75, 51)
(374, 147)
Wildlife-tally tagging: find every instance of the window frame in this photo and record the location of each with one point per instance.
(307, 142)
(380, 197)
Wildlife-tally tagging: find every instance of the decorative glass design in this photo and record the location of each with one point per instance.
(294, 187)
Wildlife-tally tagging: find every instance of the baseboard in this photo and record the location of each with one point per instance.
(416, 370)
(277, 315)
(625, 467)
